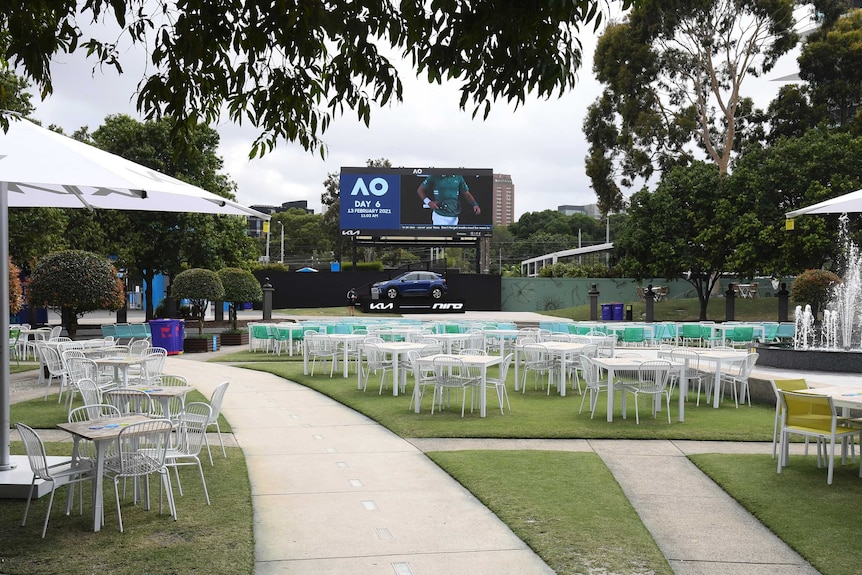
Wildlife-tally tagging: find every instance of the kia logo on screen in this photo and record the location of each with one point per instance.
(381, 306)
(377, 187)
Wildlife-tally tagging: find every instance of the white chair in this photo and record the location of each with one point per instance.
(140, 451)
(90, 393)
(652, 383)
(152, 365)
(56, 370)
(425, 378)
(691, 359)
(738, 375)
(191, 433)
(499, 383)
(215, 407)
(67, 472)
(540, 361)
(376, 361)
(319, 346)
(449, 374)
(594, 384)
(131, 402)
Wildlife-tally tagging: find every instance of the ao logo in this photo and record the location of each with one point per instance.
(377, 186)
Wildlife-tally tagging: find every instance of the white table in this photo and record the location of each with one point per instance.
(344, 340)
(163, 395)
(396, 349)
(610, 364)
(503, 335)
(567, 352)
(447, 339)
(483, 362)
(121, 365)
(720, 359)
(845, 397)
(101, 438)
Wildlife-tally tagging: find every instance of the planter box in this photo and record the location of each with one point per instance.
(234, 338)
(202, 345)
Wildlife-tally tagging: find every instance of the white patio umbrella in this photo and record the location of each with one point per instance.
(40, 168)
(848, 203)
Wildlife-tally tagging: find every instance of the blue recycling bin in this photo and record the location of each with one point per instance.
(169, 334)
(607, 312)
(619, 313)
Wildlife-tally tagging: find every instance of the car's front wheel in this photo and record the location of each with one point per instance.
(436, 292)
(392, 293)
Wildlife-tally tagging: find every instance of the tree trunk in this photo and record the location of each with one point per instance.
(147, 276)
(69, 320)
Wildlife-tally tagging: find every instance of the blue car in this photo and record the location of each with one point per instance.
(423, 284)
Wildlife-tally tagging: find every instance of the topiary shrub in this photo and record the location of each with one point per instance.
(199, 286)
(74, 282)
(239, 286)
(813, 287)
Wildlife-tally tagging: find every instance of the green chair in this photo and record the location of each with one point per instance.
(709, 336)
(741, 336)
(691, 334)
(633, 336)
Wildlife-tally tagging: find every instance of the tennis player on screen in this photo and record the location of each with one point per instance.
(443, 194)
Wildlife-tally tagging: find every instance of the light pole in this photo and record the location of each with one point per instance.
(282, 241)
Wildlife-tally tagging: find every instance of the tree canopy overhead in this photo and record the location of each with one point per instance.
(289, 68)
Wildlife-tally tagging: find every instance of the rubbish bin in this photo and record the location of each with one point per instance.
(169, 334)
(607, 311)
(618, 311)
(629, 312)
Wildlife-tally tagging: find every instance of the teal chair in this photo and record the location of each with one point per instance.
(711, 337)
(691, 334)
(741, 336)
(633, 336)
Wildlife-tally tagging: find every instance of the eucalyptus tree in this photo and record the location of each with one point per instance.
(673, 75)
(682, 229)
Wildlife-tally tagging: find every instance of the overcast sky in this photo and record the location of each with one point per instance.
(541, 144)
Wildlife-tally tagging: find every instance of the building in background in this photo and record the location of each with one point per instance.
(255, 225)
(504, 200)
(591, 210)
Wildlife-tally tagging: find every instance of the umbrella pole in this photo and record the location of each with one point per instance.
(4, 329)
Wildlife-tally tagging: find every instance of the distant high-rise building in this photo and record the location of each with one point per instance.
(504, 200)
(255, 225)
(591, 210)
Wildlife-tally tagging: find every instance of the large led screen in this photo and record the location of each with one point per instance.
(416, 201)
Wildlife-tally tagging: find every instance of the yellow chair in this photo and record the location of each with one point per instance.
(811, 415)
(782, 385)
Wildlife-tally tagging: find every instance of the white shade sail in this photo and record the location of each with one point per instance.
(40, 168)
(846, 204)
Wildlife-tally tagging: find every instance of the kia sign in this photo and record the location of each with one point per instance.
(414, 305)
(379, 202)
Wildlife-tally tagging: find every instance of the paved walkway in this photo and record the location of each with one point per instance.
(334, 492)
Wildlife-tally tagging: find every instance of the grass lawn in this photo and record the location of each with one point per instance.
(566, 522)
(815, 519)
(534, 414)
